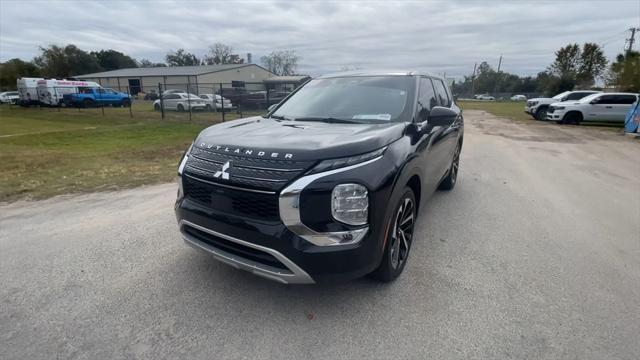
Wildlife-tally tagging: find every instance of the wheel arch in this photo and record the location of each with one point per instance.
(415, 184)
(573, 112)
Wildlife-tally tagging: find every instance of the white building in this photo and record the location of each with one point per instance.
(198, 79)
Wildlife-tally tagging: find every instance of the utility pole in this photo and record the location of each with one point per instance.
(632, 39)
(473, 80)
(495, 89)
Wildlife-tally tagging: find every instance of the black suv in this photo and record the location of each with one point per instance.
(327, 185)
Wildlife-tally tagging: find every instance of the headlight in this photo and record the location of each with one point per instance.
(183, 162)
(533, 103)
(350, 204)
(331, 164)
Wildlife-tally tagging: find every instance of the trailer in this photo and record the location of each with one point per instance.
(28, 90)
(51, 91)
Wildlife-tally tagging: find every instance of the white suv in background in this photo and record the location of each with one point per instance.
(537, 107)
(606, 107)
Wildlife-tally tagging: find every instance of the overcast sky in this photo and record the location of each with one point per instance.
(440, 37)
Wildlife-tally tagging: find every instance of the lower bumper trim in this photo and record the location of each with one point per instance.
(294, 274)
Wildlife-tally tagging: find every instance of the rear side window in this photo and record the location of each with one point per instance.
(441, 93)
(426, 99)
(626, 99)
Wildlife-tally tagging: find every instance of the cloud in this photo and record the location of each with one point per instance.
(431, 36)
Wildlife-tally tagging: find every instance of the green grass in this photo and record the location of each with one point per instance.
(46, 152)
(507, 109)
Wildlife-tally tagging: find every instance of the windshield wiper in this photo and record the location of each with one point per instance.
(280, 117)
(327, 120)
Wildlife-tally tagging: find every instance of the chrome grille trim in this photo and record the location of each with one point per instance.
(295, 275)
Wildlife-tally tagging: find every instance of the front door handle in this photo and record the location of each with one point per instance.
(609, 107)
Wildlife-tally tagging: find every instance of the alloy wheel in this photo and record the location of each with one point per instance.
(402, 233)
(455, 164)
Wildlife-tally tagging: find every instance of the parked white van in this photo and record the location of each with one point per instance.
(50, 91)
(28, 90)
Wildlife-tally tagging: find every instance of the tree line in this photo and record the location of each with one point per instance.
(67, 61)
(574, 67)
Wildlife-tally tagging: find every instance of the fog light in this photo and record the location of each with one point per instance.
(350, 204)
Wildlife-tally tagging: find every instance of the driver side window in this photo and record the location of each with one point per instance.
(426, 99)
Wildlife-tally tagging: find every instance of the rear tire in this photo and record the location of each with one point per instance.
(88, 103)
(449, 182)
(208, 108)
(398, 238)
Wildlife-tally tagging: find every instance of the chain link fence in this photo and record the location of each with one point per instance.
(180, 101)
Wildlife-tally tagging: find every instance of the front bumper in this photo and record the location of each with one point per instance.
(555, 116)
(286, 248)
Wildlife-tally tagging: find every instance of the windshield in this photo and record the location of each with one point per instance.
(561, 95)
(353, 99)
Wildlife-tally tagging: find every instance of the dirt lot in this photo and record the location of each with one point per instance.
(534, 255)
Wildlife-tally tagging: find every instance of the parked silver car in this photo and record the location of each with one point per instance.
(9, 97)
(219, 101)
(180, 102)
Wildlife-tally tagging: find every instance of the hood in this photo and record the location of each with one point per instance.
(565, 103)
(541, 99)
(296, 140)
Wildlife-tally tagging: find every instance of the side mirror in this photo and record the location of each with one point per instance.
(441, 116)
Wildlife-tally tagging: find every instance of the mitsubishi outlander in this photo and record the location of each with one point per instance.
(327, 185)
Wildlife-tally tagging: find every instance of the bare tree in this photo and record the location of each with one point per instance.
(281, 62)
(220, 53)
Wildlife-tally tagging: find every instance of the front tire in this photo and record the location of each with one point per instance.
(398, 238)
(180, 108)
(572, 118)
(541, 114)
(88, 103)
(126, 103)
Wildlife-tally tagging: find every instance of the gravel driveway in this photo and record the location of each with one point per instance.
(534, 255)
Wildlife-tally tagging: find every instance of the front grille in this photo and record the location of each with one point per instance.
(246, 172)
(234, 248)
(231, 201)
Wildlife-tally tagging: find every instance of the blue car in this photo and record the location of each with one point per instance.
(91, 97)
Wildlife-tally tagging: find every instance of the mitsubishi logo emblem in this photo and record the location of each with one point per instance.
(224, 172)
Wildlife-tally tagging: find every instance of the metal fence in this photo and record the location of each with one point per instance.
(215, 101)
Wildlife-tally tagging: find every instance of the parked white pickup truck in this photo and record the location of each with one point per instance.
(537, 107)
(605, 107)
